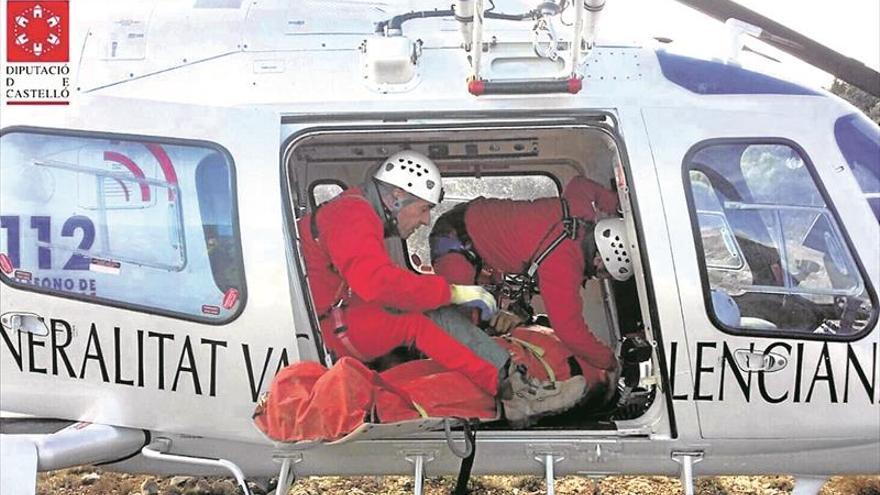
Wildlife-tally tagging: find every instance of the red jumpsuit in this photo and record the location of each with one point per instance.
(350, 254)
(506, 234)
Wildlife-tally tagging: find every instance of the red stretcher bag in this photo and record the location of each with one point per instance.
(436, 390)
(308, 402)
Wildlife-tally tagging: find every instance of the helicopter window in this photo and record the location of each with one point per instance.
(722, 251)
(140, 224)
(215, 205)
(325, 191)
(770, 242)
(859, 141)
(463, 189)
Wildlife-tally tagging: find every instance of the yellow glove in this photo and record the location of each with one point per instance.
(474, 296)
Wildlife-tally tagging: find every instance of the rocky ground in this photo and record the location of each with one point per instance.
(90, 481)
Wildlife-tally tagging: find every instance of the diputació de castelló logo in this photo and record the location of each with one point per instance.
(37, 31)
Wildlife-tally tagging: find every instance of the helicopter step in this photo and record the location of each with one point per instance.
(808, 485)
(290, 453)
(289, 458)
(549, 460)
(159, 449)
(77, 444)
(687, 459)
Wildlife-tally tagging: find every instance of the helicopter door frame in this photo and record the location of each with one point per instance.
(808, 376)
(660, 417)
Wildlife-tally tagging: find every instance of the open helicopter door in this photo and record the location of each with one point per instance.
(777, 265)
(136, 287)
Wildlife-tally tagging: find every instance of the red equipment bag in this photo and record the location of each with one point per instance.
(308, 402)
(438, 391)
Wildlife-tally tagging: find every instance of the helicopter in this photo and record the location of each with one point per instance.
(151, 274)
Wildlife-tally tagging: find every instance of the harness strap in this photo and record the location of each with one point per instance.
(340, 299)
(313, 224)
(538, 352)
(569, 231)
(342, 337)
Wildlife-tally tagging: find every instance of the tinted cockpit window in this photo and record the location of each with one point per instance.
(770, 243)
(142, 224)
(859, 141)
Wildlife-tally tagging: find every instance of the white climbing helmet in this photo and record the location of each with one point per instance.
(614, 247)
(413, 172)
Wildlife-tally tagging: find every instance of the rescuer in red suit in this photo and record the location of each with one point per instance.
(484, 239)
(368, 305)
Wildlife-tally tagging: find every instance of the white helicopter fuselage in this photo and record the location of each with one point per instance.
(289, 100)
